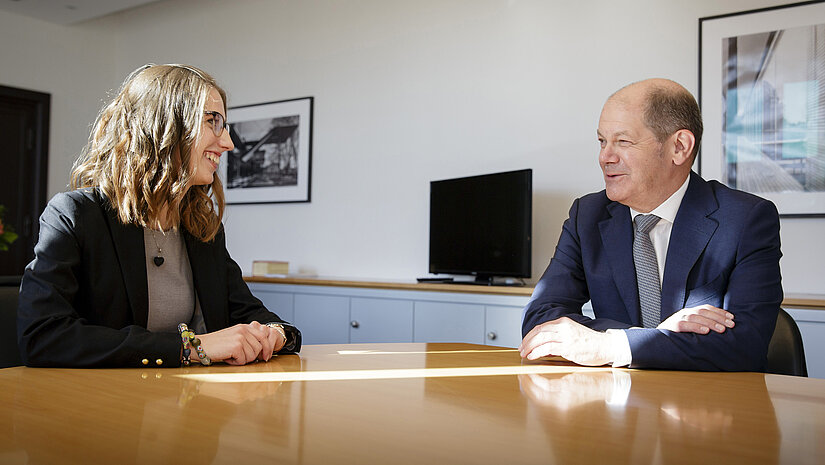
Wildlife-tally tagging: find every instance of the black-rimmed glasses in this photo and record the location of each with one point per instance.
(217, 122)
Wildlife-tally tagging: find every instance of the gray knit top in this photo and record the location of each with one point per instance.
(172, 297)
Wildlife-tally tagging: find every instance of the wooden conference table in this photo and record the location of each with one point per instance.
(407, 403)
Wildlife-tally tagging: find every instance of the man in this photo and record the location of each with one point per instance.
(664, 297)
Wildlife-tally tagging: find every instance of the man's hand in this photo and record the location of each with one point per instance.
(569, 339)
(700, 320)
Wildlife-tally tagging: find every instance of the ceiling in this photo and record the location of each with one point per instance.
(68, 11)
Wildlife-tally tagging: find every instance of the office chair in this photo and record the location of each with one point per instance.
(9, 352)
(786, 356)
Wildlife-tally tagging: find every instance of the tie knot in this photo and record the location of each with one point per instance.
(644, 223)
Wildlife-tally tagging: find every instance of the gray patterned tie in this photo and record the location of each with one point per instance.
(647, 271)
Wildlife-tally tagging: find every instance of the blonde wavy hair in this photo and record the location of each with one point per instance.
(140, 147)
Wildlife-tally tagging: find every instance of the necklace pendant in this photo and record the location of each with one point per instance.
(158, 260)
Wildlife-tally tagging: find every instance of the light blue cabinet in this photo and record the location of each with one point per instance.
(336, 315)
(449, 322)
(502, 325)
(323, 319)
(282, 304)
(380, 320)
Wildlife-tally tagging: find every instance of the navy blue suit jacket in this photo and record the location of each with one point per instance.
(84, 300)
(724, 251)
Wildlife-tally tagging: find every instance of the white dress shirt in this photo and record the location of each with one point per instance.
(660, 236)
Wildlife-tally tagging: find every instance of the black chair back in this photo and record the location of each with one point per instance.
(9, 351)
(786, 356)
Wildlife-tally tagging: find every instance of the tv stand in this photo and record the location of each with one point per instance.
(483, 280)
(480, 280)
(488, 280)
(434, 280)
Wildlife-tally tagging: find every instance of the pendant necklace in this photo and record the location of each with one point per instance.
(158, 259)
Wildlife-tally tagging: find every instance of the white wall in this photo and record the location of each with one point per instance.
(74, 65)
(411, 91)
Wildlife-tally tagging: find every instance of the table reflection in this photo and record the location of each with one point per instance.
(139, 414)
(647, 422)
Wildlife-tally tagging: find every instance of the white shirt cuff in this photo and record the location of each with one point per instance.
(621, 348)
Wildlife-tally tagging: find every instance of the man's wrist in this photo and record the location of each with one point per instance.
(619, 348)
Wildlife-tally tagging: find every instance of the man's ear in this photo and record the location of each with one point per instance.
(683, 143)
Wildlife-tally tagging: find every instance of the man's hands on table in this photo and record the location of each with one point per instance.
(573, 341)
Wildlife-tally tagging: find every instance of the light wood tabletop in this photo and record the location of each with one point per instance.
(407, 403)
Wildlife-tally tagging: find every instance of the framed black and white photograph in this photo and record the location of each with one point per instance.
(272, 159)
(762, 94)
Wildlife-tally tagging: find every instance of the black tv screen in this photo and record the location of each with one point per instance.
(481, 225)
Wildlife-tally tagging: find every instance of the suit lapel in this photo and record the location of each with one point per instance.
(131, 255)
(692, 230)
(617, 233)
(205, 269)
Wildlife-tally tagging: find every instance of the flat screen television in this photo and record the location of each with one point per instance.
(481, 225)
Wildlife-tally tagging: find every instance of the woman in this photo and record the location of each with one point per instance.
(131, 267)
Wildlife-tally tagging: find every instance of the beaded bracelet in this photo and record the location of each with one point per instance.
(189, 339)
(205, 360)
(184, 339)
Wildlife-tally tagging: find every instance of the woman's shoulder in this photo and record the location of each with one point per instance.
(76, 203)
(79, 197)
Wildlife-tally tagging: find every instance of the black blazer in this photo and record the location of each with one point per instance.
(84, 298)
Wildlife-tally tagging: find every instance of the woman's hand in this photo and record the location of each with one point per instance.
(241, 344)
(278, 340)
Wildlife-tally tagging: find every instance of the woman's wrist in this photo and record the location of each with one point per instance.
(192, 347)
(280, 329)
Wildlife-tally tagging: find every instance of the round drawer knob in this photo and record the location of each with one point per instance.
(354, 324)
(491, 335)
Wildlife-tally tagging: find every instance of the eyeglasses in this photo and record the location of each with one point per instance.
(217, 122)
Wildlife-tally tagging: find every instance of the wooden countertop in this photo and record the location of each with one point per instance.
(809, 301)
(407, 403)
(398, 285)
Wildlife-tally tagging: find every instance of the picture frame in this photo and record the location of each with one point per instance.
(272, 158)
(762, 95)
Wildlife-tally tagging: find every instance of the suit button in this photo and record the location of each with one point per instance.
(145, 361)
(159, 362)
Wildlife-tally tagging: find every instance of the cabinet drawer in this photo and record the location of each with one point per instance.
(322, 319)
(381, 320)
(449, 322)
(502, 326)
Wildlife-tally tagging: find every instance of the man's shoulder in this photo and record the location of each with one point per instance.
(730, 207)
(727, 196)
(732, 203)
